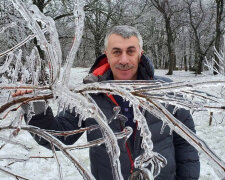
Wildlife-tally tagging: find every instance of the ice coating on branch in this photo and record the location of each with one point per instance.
(66, 98)
(34, 66)
(52, 48)
(17, 67)
(12, 24)
(14, 158)
(116, 110)
(110, 141)
(79, 26)
(8, 60)
(148, 157)
(221, 64)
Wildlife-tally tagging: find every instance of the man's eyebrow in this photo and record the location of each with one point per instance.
(131, 47)
(115, 48)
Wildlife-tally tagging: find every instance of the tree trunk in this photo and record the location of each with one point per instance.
(185, 63)
(200, 64)
(170, 46)
(219, 11)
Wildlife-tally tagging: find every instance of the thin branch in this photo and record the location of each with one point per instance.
(9, 140)
(68, 133)
(57, 162)
(57, 143)
(3, 169)
(30, 37)
(22, 100)
(127, 131)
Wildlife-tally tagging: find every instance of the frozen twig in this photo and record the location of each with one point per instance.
(121, 135)
(6, 170)
(11, 141)
(57, 162)
(22, 100)
(28, 38)
(58, 144)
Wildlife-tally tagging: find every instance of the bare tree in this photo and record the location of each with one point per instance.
(168, 9)
(200, 24)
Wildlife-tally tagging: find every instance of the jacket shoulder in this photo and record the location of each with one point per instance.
(163, 78)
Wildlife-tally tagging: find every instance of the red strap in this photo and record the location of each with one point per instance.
(130, 158)
(113, 99)
(127, 147)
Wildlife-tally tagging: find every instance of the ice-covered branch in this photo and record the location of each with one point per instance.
(52, 48)
(21, 101)
(11, 141)
(7, 26)
(220, 64)
(159, 111)
(189, 136)
(125, 134)
(57, 143)
(28, 38)
(79, 26)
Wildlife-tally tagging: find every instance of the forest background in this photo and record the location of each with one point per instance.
(177, 34)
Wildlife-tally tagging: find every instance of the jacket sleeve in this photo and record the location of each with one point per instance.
(65, 121)
(187, 159)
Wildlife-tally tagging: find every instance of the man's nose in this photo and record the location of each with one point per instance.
(124, 58)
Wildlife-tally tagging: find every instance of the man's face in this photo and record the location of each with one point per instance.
(123, 56)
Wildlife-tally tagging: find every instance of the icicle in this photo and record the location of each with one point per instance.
(33, 135)
(166, 104)
(5, 66)
(80, 120)
(222, 92)
(116, 110)
(175, 109)
(130, 104)
(30, 111)
(46, 104)
(17, 67)
(70, 108)
(171, 131)
(39, 139)
(64, 108)
(59, 106)
(163, 127)
(65, 137)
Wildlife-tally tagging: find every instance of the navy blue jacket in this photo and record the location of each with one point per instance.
(182, 158)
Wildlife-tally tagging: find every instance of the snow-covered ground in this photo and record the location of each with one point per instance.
(46, 168)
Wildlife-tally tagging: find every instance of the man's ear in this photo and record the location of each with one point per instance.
(142, 52)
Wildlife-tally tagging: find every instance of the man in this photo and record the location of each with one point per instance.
(124, 60)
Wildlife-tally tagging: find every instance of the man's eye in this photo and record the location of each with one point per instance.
(116, 52)
(130, 52)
